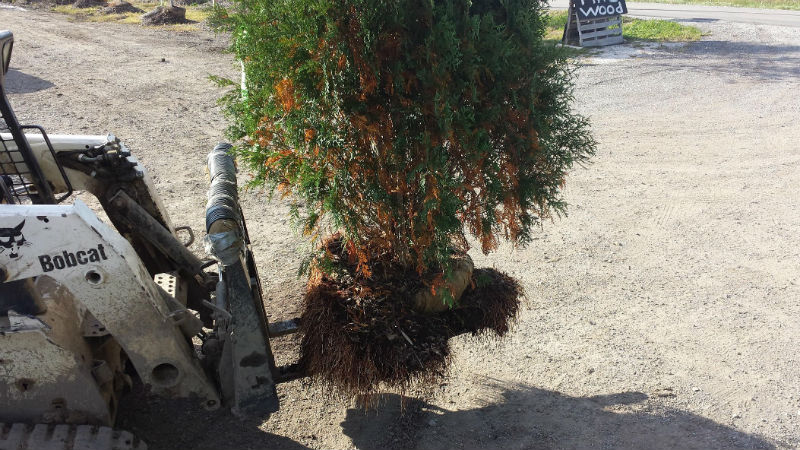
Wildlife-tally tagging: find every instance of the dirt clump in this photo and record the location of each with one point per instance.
(120, 8)
(165, 15)
(88, 3)
(189, 2)
(361, 334)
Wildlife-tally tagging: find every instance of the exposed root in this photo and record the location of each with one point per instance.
(361, 335)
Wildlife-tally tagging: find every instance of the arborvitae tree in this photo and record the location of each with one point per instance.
(406, 124)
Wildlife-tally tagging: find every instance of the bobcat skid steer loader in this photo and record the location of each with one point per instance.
(87, 305)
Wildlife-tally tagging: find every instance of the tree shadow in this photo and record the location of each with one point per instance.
(764, 62)
(531, 418)
(17, 82)
(756, 61)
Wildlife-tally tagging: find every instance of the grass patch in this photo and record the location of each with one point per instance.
(73, 11)
(632, 29)
(134, 18)
(659, 30)
(555, 22)
(121, 18)
(767, 4)
(195, 13)
(198, 13)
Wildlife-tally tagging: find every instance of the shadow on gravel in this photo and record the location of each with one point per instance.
(750, 60)
(21, 83)
(530, 418)
(180, 425)
(696, 20)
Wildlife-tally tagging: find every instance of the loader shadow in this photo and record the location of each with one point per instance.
(173, 424)
(17, 82)
(531, 418)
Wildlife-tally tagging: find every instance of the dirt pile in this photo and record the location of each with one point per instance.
(190, 2)
(364, 333)
(120, 8)
(165, 15)
(88, 3)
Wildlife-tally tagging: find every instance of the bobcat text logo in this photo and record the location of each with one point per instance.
(12, 239)
(68, 259)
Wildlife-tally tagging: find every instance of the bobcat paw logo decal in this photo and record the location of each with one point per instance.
(12, 239)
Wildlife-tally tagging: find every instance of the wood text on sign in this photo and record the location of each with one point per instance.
(593, 9)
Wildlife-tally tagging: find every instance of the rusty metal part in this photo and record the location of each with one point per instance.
(277, 329)
(290, 372)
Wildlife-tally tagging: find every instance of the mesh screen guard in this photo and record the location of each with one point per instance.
(21, 177)
(14, 172)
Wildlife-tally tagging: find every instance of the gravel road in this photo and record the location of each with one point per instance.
(663, 313)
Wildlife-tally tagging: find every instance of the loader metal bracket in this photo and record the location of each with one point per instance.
(246, 366)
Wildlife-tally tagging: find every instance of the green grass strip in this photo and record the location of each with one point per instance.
(633, 29)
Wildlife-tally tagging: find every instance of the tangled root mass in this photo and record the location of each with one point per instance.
(361, 334)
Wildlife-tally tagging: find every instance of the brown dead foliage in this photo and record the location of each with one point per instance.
(363, 334)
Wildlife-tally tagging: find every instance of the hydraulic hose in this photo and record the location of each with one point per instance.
(223, 202)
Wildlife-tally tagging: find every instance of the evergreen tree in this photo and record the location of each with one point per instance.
(406, 125)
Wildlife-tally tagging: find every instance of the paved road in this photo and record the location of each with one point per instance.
(707, 13)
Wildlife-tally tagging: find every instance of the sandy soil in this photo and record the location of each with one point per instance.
(664, 312)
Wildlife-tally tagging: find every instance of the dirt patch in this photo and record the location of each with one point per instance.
(120, 8)
(165, 15)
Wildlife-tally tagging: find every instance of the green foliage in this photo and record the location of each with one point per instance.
(556, 20)
(406, 124)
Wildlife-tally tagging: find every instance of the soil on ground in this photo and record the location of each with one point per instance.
(165, 15)
(663, 312)
(120, 8)
(88, 3)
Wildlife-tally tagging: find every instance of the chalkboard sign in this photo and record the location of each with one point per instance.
(595, 9)
(594, 23)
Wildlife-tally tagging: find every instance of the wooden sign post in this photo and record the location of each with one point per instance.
(594, 23)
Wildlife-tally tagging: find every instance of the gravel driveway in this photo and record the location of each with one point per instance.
(664, 312)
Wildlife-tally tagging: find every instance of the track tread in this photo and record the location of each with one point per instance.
(19, 436)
